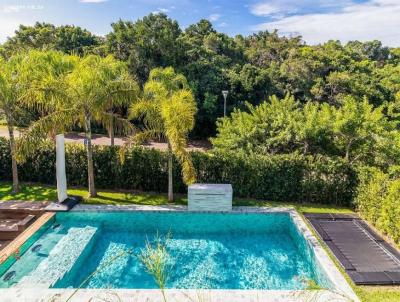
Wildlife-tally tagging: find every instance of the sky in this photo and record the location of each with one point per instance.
(316, 20)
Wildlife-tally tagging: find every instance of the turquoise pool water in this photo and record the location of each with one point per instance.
(215, 251)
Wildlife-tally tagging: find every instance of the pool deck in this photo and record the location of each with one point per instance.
(15, 209)
(154, 295)
(341, 290)
(28, 207)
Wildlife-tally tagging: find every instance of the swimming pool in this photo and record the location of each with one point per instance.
(206, 251)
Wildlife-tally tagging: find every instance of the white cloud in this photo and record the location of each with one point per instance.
(214, 17)
(278, 9)
(264, 9)
(164, 10)
(93, 1)
(375, 19)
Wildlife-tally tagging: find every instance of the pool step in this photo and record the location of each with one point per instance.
(62, 258)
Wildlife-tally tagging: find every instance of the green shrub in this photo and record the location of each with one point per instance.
(5, 160)
(378, 200)
(292, 177)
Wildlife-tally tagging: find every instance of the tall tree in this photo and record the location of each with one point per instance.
(208, 58)
(145, 44)
(167, 110)
(361, 131)
(45, 36)
(12, 89)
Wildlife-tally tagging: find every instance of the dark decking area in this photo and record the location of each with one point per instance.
(365, 256)
(16, 217)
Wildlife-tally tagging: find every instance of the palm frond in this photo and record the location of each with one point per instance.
(148, 112)
(121, 125)
(178, 146)
(145, 135)
(54, 123)
(47, 95)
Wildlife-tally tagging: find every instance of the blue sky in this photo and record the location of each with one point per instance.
(316, 20)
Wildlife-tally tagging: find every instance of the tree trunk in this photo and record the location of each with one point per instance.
(347, 155)
(92, 189)
(305, 149)
(13, 160)
(170, 175)
(111, 132)
(348, 147)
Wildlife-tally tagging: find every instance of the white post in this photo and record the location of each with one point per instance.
(60, 168)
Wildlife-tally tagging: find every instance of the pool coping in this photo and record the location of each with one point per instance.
(173, 295)
(341, 292)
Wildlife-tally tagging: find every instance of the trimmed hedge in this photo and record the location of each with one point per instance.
(378, 200)
(293, 177)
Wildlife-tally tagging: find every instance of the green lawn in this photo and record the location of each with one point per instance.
(39, 193)
(36, 192)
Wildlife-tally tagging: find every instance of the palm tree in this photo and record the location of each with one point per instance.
(80, 97)
(13, 85)
(15, 80)
(167, 110)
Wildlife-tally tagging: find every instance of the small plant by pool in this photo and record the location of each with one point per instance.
(206, 251)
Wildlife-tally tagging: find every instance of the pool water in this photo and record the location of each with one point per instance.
(206, 251)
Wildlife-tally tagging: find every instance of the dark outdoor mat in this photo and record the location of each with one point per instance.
(365, 256)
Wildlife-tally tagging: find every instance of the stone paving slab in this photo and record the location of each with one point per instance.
(126, 295)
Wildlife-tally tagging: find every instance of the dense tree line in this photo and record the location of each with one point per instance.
(252, 68)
